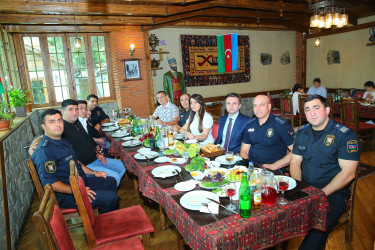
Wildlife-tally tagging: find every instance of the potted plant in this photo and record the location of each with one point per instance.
(18, 99)
(5, 116)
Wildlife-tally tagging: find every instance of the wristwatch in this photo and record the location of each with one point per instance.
(94, 173)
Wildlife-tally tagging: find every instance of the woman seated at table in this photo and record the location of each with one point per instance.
(199, 125)
(370, 91)
(297, 90)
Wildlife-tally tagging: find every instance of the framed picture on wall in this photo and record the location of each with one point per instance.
(132, 69)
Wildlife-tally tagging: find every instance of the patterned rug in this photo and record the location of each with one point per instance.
(200, 61)
(365, 170)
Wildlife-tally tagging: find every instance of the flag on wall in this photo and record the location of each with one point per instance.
(227, 50)
(1, 87)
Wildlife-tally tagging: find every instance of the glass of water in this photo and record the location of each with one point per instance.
(185, 155)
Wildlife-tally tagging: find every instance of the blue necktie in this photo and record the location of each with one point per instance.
(227, 136)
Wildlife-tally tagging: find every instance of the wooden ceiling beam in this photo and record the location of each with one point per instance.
(68, 29)
(198, 22)
(264, 5)
(69, 20)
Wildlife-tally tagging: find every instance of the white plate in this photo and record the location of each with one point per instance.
(127, 138)
(177, 136)
(149, 155)
(194, 199)
(165, 171)
(120, 134)
(221, 159)
(109, 129)
(107, 124)
(200, 184)
(212, 164)
(292, 182)
(191, 141)
(132, 143)
(179, 160)
(209, 171)
(162, 159)
(144, 150)
(184, 186)
(222, 194)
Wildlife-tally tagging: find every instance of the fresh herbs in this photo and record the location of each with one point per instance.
(216, 180)
(196, 164)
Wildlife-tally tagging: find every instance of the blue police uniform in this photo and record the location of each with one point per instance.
(269, 141)
(52, 158)
(320, 151)
(97, 115)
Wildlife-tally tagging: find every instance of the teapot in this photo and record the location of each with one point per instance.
(372, 34)
(269, 187)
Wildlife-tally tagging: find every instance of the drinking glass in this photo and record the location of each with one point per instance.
(161, 145)
(184, 137)
(230, 190)
(185, 155)
(229, 156)
(283, 186)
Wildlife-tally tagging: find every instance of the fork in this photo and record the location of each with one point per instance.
(148, 160)
(206, 205)
(174, 175)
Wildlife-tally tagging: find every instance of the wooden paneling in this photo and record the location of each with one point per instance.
(67, 29)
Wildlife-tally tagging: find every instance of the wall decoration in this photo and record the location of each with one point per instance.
(200, 61)
(132, 69)
(265, 58)
(333, 57)
(285, 58)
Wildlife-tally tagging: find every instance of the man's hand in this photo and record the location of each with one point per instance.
(176, 128)
(101, 174)
(97, 126)
(99, 140)
(158, 121)
(91, 194)
(102, 158)
(190, 136)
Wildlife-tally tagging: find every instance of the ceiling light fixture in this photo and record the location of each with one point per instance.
(328, 14)
(77, 40)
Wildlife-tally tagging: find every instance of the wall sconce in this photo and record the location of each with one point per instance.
(78, 43)
(317, 42)
(132, 49)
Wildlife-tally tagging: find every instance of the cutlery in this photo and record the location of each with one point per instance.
(148, 160)
(174, 175)
(222, 205)
(179, 174)
(206, 205)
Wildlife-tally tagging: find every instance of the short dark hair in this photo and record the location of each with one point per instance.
(185, 94)
(49, 112)
(369, 84)
(92, 95)
(234, 95)
(296, 87)
(319, 97)
(161, 91)
(82, 102)
(68, 102)
(317, 80)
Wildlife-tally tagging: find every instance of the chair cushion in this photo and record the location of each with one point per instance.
(131, 244)
(121, 224)
(65, 211)
(86, 200)
(361, 126)
(60, 229)
(276, 111)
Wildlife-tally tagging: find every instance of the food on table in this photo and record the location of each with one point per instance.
(168, 152)
(193, 149)
(216, 180)
(235, 174)
(210, 148)
(174, 160)
(215, 171)
(123, 121)
(196, 164)
(197, 175)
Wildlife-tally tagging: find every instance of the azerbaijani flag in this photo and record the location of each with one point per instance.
(227, 50)
(1, 87)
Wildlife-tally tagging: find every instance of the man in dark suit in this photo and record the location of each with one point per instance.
(232, 126)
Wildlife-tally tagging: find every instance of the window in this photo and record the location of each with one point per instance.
(58, 71)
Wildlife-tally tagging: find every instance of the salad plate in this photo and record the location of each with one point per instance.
(120, 134)
(184, 186)
(221, 159)
(162, 159)
(193, 200)
(149, 155)
(166, 171)
(109, 129)
(127, 138)
(131, 143)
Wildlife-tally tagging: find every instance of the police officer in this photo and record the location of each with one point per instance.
(97, 114)
(52, 157)
(268, 139)
(325, 155)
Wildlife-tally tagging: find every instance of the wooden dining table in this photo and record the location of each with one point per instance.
(265, 228)
(364, 111)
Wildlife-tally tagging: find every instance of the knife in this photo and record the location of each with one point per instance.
(222, 205)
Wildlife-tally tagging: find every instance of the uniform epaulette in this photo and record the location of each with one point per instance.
(45, 143)
(302, 127)
(252, 120)
(342, 128)
(280, 120)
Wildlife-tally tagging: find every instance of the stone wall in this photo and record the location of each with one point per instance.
(108, 107)
(20, 187)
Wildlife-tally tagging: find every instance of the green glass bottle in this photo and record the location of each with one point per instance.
(245, 197)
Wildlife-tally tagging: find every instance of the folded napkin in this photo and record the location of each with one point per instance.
(214, 208)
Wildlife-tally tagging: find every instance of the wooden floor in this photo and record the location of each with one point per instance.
(364, 218)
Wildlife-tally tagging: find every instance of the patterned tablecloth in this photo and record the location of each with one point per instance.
(366, 112)
(265, 228)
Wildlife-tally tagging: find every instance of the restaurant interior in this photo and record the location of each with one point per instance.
(119, 50)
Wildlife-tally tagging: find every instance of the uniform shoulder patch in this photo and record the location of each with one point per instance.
(342, 128)
(302, 127)
(281, 121)
(50, 166)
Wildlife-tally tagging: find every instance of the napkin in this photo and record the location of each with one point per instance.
(214, 208)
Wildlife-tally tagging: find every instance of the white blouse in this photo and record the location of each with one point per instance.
(295, 102)
(208, 122)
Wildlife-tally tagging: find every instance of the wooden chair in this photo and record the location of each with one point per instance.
(286, 108)
(68, 213)
(109, 227)
(347, 218)
(301, 102)
(349, 118)
(275, 106)
(54, 233)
